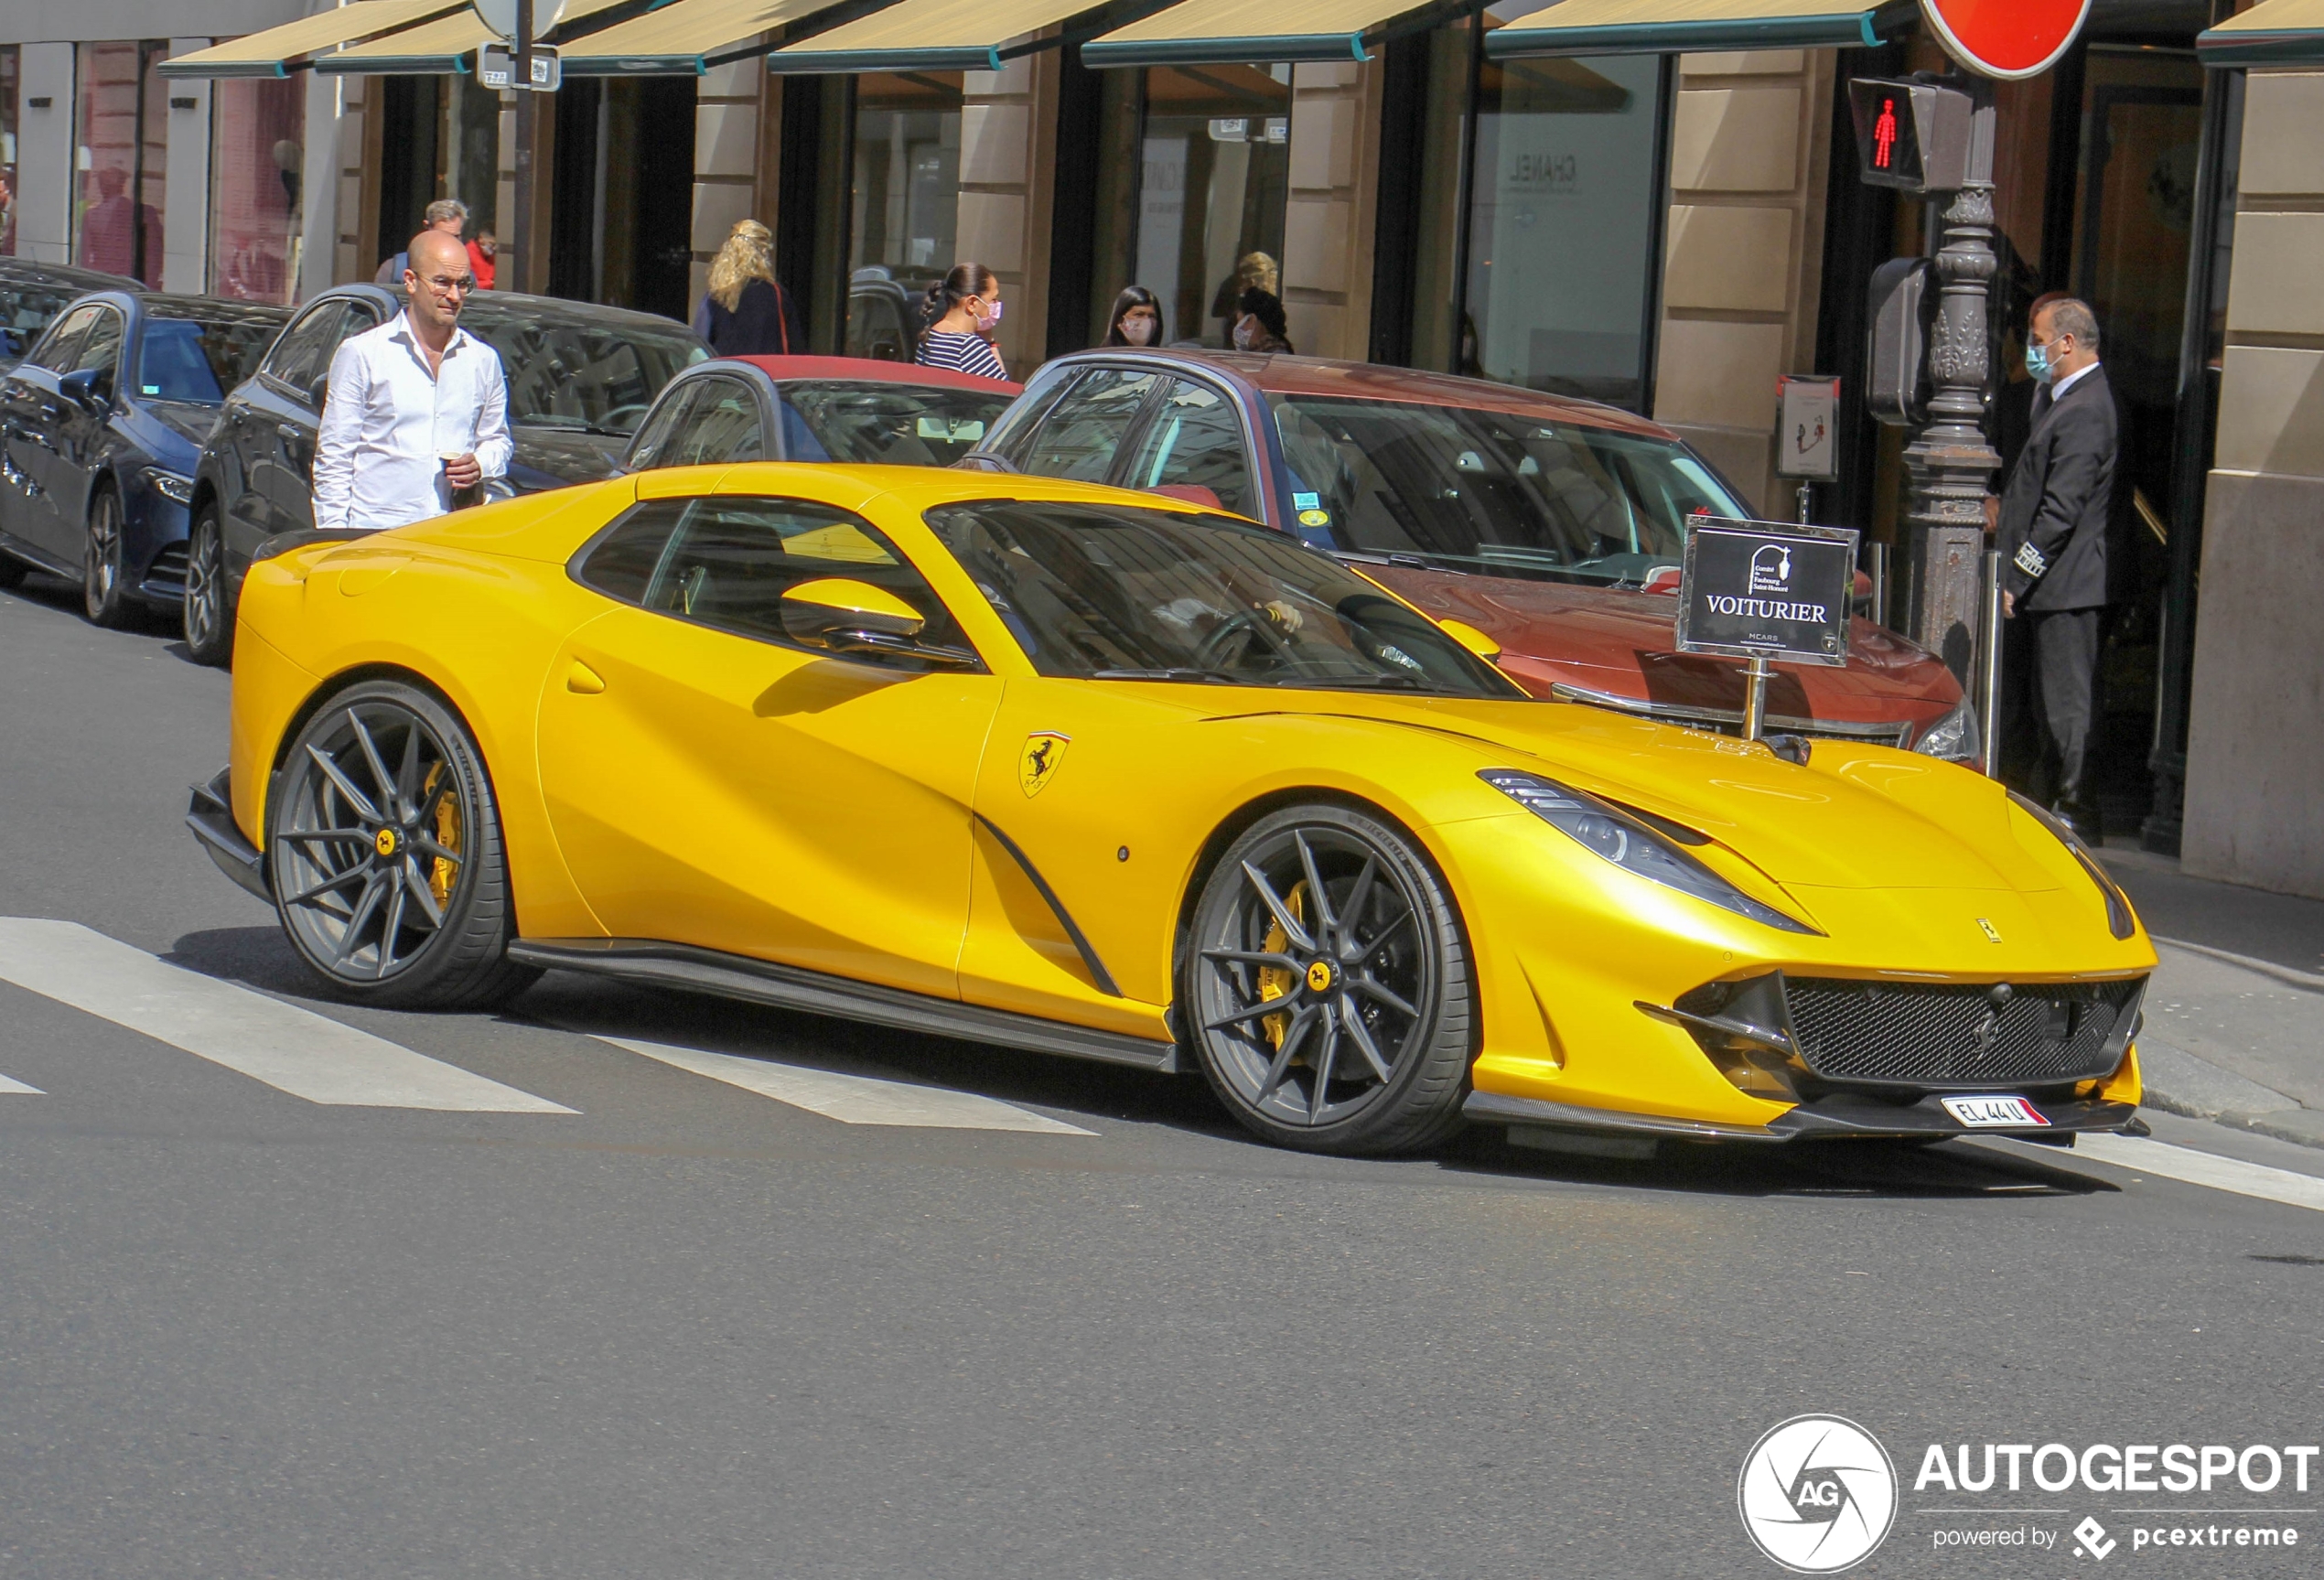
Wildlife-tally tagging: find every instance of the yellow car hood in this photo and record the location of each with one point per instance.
(1853, 817)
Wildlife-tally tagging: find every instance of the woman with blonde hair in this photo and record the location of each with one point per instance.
(745, 312)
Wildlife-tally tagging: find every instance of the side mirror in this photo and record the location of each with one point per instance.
(87, 388)
(844, 615)
(1469, 636)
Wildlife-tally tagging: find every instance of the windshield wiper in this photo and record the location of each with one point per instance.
(1214, 677)
(568, 425)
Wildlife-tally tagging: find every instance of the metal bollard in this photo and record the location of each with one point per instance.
(1879, 573)
(1989, 667)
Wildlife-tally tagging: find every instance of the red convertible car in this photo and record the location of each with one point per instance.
(848, 409)
(1555, 526)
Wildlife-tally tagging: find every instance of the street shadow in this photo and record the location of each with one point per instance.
(258, 957)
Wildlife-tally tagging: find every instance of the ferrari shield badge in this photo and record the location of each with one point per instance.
(1038, 765)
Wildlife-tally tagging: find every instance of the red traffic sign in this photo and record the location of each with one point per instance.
(2006, 37)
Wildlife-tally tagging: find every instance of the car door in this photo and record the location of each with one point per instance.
(1082, 436)
(64, 463)
(1193, 446)
(288, 410)
(28, 422)
(253, 418)
(711, 781)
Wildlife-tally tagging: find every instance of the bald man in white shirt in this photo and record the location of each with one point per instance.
(418, 408)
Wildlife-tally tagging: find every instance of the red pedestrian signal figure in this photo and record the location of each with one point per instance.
(1883, 136)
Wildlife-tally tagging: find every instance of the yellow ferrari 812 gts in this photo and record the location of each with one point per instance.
(1106, 775)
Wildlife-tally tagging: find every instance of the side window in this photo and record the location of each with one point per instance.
(721, 423)
(1017, 425)
(1087, 426)
(726, 563)
(1195, 441)
(303, 354)
(661, 427)
(56, 352)
(357, 319)
(99, 348)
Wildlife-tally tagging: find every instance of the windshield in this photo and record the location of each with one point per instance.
(1120, 592)
(1491, 492)
(589, 378)
(883, 423)
(199, 360)
(26, 309)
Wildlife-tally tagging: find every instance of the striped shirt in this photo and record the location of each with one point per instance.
(961, 353)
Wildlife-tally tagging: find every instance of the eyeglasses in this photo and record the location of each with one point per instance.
(445, 283)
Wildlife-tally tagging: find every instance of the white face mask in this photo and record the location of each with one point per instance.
(1246, 333)
(1138, 331)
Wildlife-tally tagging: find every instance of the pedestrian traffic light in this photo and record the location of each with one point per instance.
(1910, 136)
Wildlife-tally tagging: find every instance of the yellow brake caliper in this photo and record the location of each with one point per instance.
(1273, 981)
(441, 873)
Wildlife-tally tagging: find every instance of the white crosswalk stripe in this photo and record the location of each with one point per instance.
(853, 1099)
(289, 1048)
(8, 1086)
(2206, 1168)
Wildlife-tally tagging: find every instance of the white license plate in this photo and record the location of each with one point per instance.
(1995, 1113)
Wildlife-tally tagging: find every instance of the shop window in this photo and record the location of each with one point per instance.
(11, 65)
(1562, 225)
(904, 197)
(1214, 175)
(256, 162)
(121, 159)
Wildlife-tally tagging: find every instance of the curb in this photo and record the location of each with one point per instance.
(2184, 1083)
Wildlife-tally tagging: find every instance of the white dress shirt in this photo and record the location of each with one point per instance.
(2058, 390)
(387, 422)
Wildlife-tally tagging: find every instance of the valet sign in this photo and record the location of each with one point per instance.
(1756, 589)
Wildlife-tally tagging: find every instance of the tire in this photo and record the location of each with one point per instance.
(1370, 1052)
(402, 823)
(102, 598)
(209, 612)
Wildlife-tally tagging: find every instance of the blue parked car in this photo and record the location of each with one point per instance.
(101, 425)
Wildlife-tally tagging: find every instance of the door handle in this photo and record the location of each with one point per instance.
(581, 678)
(290, 430)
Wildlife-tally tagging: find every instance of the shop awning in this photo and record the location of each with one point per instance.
(1673, 27)
(279, 51)
(682, 39)
(928, 36)
(1236, 32)
(2274, 33)
(439, 47)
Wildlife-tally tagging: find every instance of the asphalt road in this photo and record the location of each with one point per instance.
(688, 1330)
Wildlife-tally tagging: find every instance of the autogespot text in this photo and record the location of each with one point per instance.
(2105, 1467)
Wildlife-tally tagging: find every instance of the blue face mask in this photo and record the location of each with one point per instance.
(2037, 364)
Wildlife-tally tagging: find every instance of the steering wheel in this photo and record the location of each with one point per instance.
(1212, 652)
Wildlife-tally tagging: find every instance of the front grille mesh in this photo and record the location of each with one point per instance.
(1947, 1034)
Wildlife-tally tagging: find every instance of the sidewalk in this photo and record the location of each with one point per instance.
(2235, 1011)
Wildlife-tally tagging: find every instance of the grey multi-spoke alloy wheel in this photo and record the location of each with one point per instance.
(1326, 985)
(101, 593)
(383, 844)
(209, 622)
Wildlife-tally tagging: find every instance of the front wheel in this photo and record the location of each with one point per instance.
(1327, 987)
(102, 596)
(385, 855)
(210, 614)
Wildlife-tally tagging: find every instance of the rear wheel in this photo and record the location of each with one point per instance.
(102, 596)
(1327, 985)
(386, 858)
(210, 622)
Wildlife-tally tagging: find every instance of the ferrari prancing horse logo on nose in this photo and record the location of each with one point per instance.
(1044, 749)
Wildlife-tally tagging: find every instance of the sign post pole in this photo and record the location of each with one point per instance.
(528, 136)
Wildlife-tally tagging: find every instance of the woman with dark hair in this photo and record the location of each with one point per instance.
(961, 313)
(1136, 320)
(1261, 327)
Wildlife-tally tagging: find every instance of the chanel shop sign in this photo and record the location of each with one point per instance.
(1755, 589)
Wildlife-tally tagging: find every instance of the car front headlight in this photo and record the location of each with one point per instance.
(1625, 841)
(1954, 737)
(170, 484)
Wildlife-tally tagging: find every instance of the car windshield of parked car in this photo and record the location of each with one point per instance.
(885, 425)
(1118, 592)
(26, 309)
(199, 360)
(588, 378)
(1492, 492)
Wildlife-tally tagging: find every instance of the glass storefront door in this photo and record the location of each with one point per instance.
(904, 215)
(1215, 170)
(256, 163)
(121, 159)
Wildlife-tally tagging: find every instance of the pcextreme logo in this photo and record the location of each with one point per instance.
(1817, 1494)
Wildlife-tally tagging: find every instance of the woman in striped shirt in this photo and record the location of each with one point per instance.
(962, 309)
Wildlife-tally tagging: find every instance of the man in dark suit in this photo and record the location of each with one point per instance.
(2054, 515)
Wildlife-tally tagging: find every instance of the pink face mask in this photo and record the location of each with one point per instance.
(1138, 331)
(987, 325)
